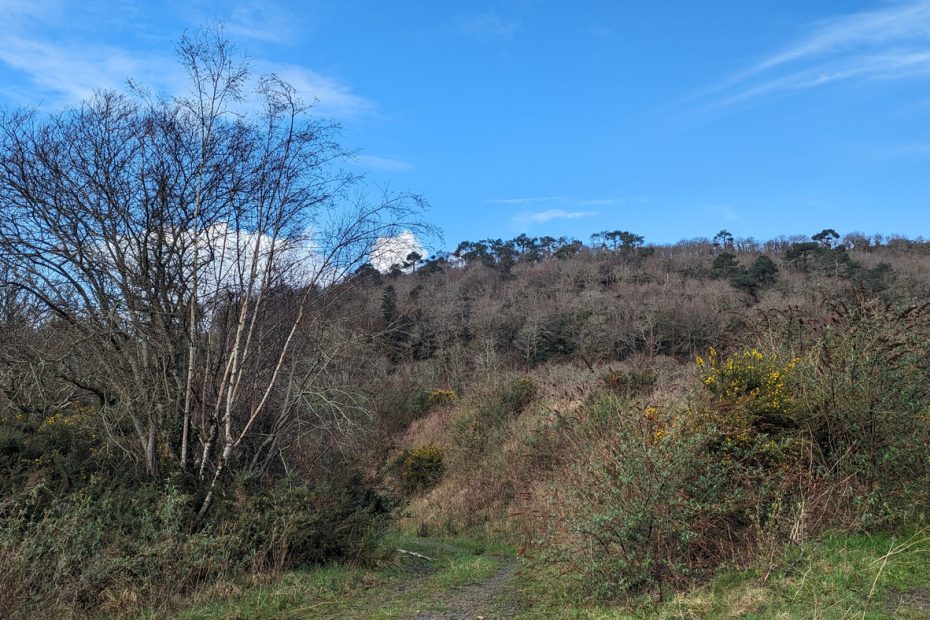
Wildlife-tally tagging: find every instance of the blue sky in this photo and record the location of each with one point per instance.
(671, 119)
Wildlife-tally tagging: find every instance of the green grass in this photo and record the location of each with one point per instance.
(841, 576)
(403, 586)
(878, 576)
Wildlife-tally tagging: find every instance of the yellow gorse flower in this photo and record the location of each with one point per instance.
(758, 381)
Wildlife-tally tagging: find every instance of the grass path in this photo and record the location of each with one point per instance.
(491, 597)
(463, 580)
(845, 576)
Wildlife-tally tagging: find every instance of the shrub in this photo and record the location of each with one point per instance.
(661, 496)
(519, 393)
(487, 421)
(763, 270)
(725, 264)
(423, 401)
(630, 383)
(60, 450)
(646, 506)
(110, 550)
(876, 280)
(440, 398)
(291, 525)
(753, 402)
(867, 405)
(399, 403)
(422, 468)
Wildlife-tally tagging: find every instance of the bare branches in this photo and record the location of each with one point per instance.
(192, 246)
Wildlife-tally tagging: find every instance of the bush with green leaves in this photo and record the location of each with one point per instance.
(422, 468)
(646, 507)
(398, 403)
(867, 408)
(109, 549)
(440, 398)
(760, 274)
(771, 448)
(752, 411)
(487, 418)
(518, 393)
(725, 264)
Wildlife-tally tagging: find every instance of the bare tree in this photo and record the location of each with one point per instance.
(188, 244)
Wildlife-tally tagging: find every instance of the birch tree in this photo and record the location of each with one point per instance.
(193, 247)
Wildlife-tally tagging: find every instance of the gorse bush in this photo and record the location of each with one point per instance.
(401, 407)
(59, 450)
(518, 393)
(422, 468)
(772, 448)
(111, 549)
(426, 400)
(753, 403)
(296, 526)
(754, 381)
(440, 398)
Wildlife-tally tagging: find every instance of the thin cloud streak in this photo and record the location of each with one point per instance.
(541, 217)
(599, 201)
(260, 21)
(385, 164)
(888, 44)
(567, 201)
(909, 21)
(329, 96)
(529, 200)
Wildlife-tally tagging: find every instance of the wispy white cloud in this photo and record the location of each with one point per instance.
(261, 21)
(386, 164)
(593, 202)
(560, 208)
(540, 217)
(528, 200)
(899, 23)
(67, 72)
(62, 62)
(562, 201)
(487, 26)
(891, 43)
(330, 96)
(45, 43)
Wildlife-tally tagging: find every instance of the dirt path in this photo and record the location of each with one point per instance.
(434, 579)
(490, 599)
